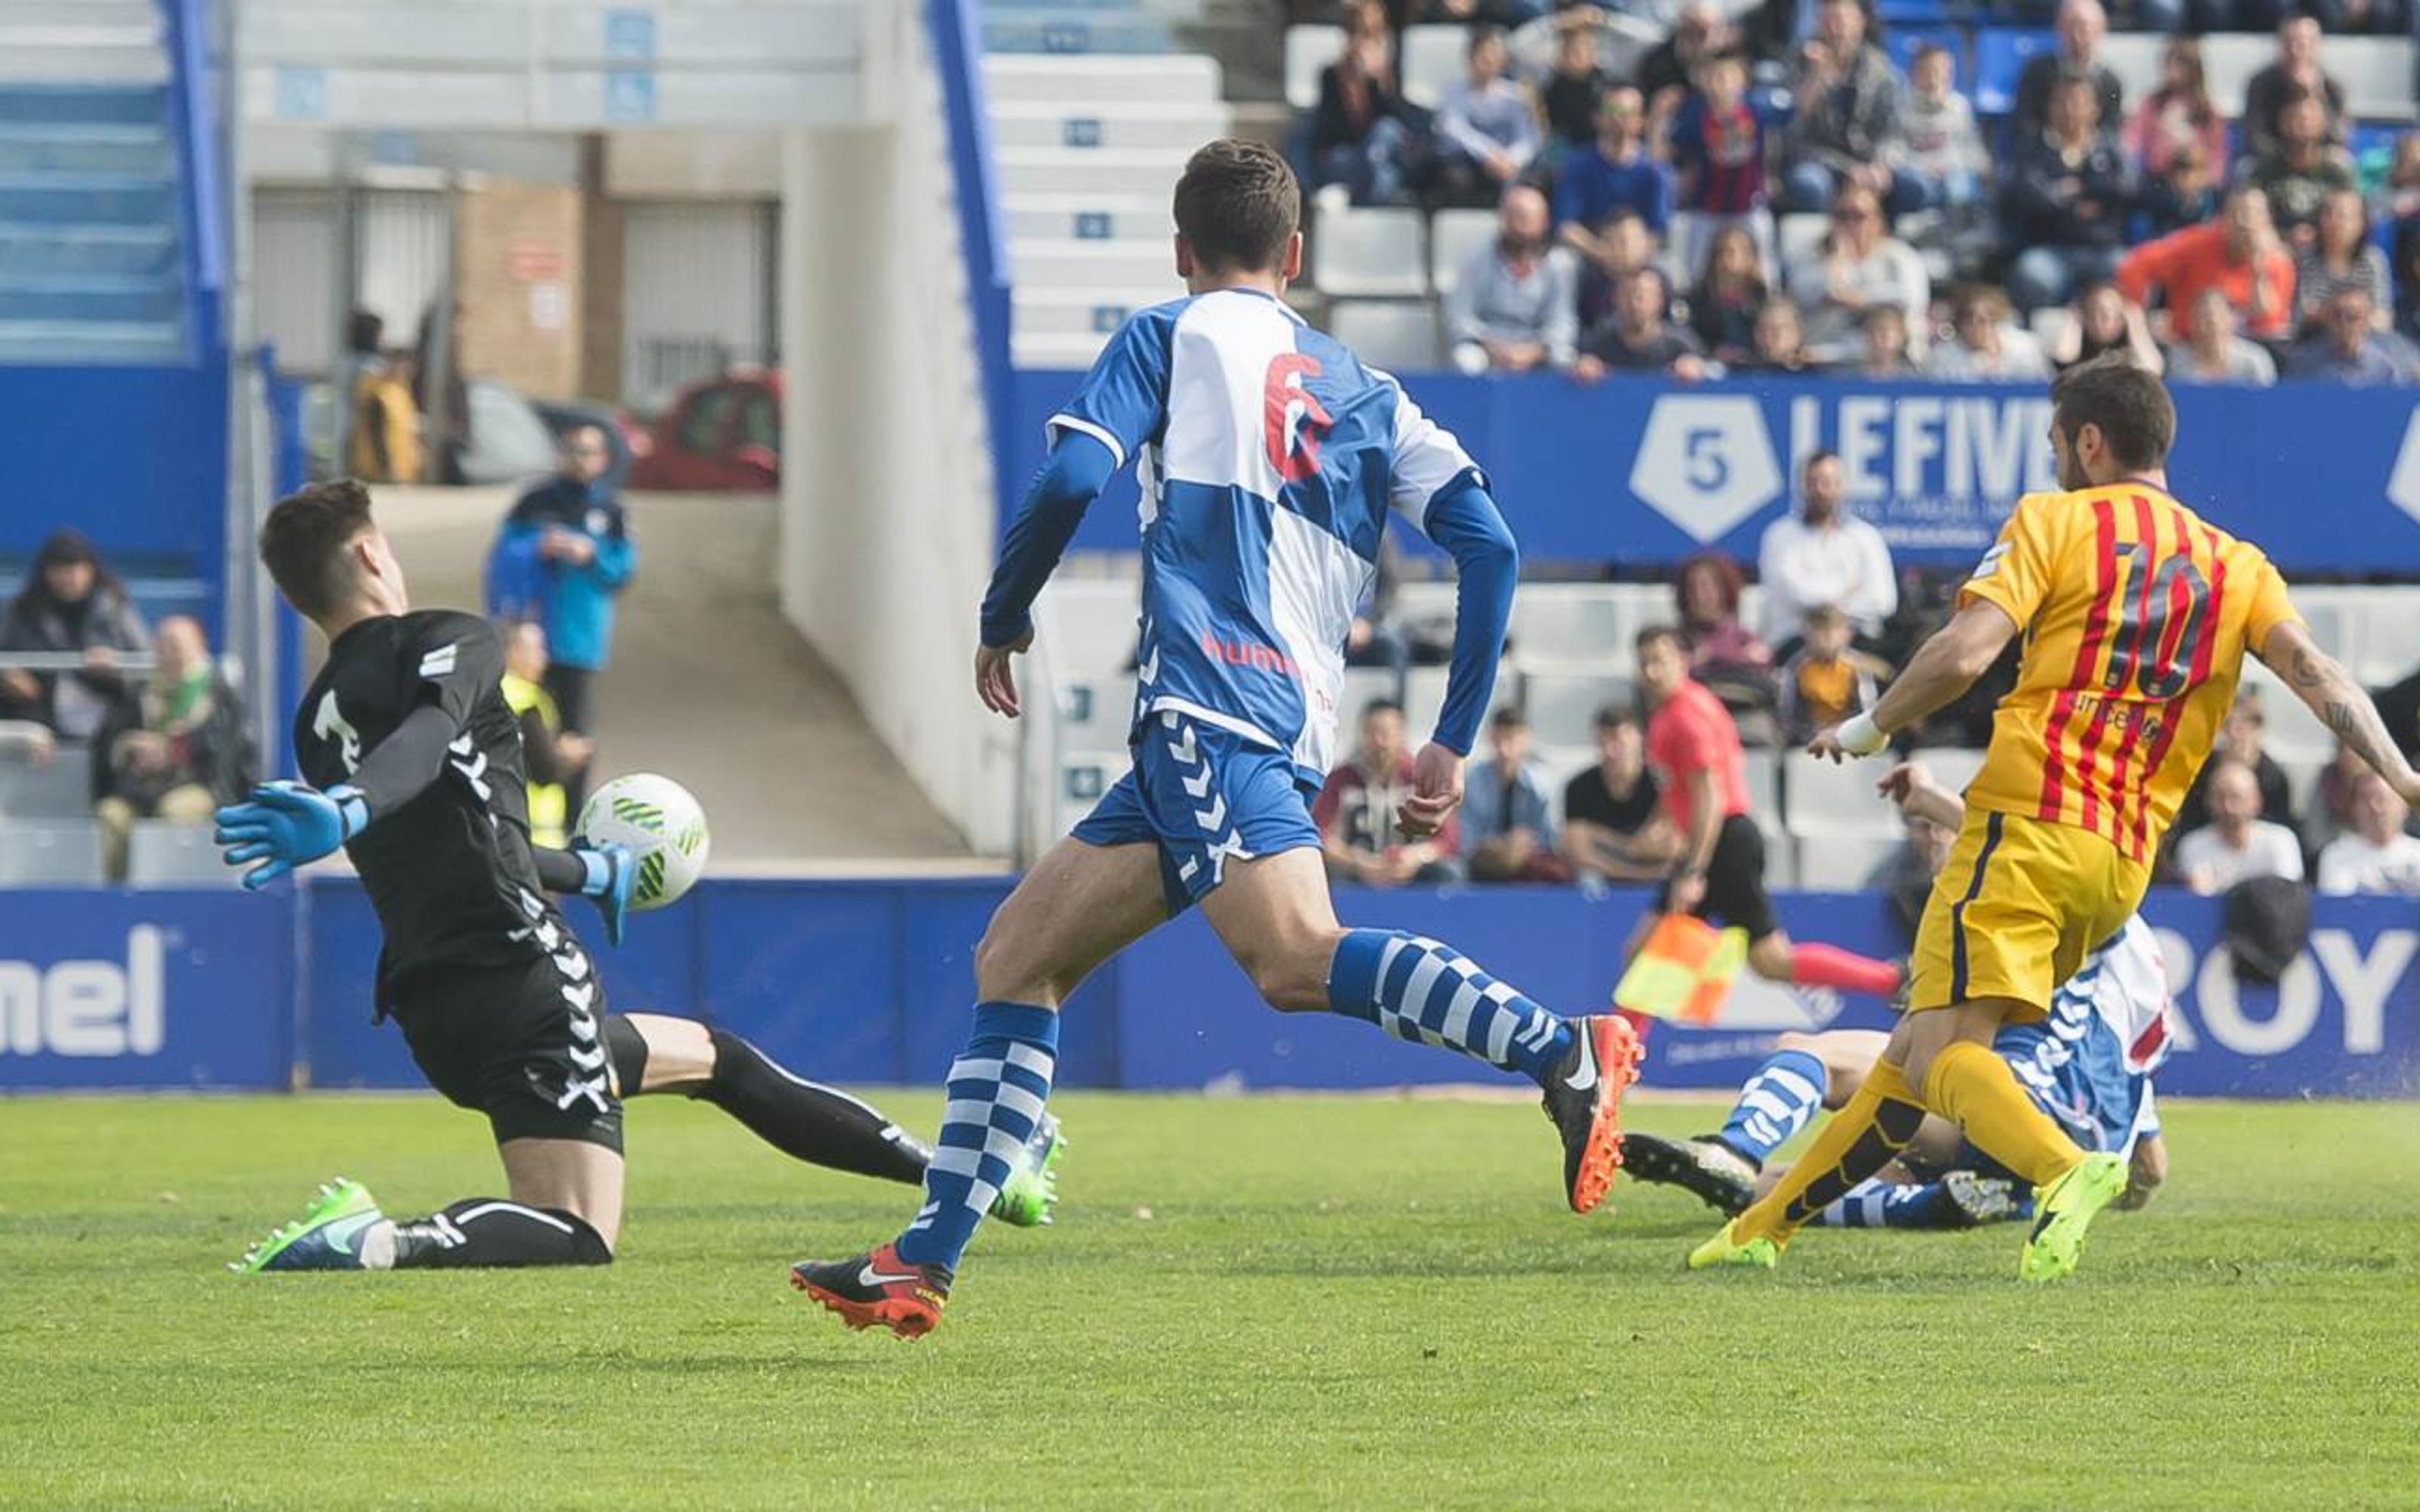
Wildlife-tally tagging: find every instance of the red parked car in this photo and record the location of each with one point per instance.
(723, 432)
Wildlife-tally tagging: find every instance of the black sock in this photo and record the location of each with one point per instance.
(493, 1231)
(807, 1120)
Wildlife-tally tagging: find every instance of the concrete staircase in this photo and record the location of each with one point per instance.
(1091, 120)
(90, 266)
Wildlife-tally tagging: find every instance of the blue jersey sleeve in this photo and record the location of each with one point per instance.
(1432, 481)
(1121, 400)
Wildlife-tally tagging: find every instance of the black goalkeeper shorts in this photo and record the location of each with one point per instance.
(524, 1044)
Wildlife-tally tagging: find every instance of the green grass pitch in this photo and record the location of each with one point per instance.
(1292, 1302)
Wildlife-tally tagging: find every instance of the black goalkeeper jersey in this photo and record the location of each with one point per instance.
(450, 870)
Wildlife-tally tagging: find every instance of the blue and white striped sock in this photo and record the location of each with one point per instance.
(997, 1088)
(1876, 1204)
(1417, 989)
(1776, 1103)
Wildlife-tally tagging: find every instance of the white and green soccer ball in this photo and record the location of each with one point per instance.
(662, 825)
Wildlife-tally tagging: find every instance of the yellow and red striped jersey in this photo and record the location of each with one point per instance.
(2137, 615)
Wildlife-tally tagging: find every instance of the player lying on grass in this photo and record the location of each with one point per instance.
(2137, 615)
(2089, 1066)
(414, 760)
(1269, 459)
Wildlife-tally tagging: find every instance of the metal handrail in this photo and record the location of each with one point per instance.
(71, 661)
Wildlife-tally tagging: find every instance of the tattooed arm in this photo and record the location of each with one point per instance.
(2342, 704)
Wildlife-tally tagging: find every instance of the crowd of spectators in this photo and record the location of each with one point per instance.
(1676, 158)
(143, 708)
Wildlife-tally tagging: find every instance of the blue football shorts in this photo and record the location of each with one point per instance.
(1205, 797)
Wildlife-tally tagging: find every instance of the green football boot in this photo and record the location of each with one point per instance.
(325, 1238)
(1031, 1189)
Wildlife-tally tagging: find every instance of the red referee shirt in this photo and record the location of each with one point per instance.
(1693, 733)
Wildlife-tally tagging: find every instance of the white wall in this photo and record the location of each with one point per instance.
(887, 487)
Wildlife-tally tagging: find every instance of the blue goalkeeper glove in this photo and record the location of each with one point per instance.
(284, 824)
(611, 873)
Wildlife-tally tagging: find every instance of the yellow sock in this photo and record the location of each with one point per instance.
(1975, 1089)
(1853, 1144)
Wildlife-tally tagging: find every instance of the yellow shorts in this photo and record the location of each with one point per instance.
(2016, 908)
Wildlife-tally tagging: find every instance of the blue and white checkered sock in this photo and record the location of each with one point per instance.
(997, 1088)
(1417, 989)
(1776, 1103)
(1877, 1204)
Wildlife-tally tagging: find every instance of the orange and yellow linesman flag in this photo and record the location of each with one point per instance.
(1684, 971)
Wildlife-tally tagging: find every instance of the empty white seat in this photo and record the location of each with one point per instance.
(1368, 252)
(1763, 791)
(1432, 58)
(1456, 237)
(2229, 61)
(1842, 863)
(1799, 235)
(2049, 323)
(2134, 58)
(1396, 334)
(49, 853)
(1562, 705)
(2375, 73)
(1093, 625)
(1571, 623)
(1424, 695)
(1309, 51)
(1823, 799)
(60, 788)
(163, 855)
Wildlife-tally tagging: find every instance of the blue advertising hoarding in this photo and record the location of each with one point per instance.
(870, 981)
(1644, 471)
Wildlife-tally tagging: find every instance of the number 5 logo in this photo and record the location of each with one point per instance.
(1296, 455)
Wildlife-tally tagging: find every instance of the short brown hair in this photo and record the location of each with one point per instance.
(1654, 634)
(2137, 419)
(1236, 205)
(304, 543)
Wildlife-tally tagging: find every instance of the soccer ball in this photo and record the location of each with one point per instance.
(664, 826)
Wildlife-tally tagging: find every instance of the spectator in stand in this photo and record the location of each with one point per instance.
(1986, 347)
(2348, 349)
(1706, 589)
(2330, 811)
(69, 604)
(1828, 679)
(1639, 337)
(1515, 305)
(1780, 347)
(1885, 329)
(1357, 812)
(1668, 71)
(2398, 197)
(2376, 18)
(2101, 321)
(1613, 826)
(1718, 152)
(2176, 117)
(2187, 194)
(581, 534)
(1906, 879)
(1847, 128)
(174, 750)
(1508, 820)
(1614, 176)
(552, 757)
(1364, 139)
(1575, 91)
(2301, 170)
(2082, 25)
(1825, 556)
(2296, 71)
(2066, 199)
(1501, 15)
(1486, 134)
(1729, 296)
(1942, 152)
(2375, 856)
(2236, 845)
(2214, 353)
(2239, 737)
(1858, 267)
(2341, 256)
(2238, 253)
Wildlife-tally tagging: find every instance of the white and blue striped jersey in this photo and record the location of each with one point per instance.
(2089, 1064)
(1268, 458)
